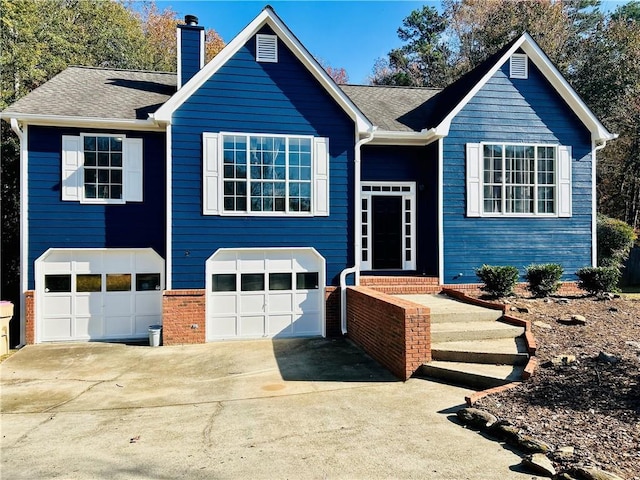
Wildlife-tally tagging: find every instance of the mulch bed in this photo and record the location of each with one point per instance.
(590, 404)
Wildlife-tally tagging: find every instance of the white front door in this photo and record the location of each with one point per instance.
(98, 294)
(273, 292)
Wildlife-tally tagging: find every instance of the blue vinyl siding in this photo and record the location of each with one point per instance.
(252, 97)
(411, 164)
(189, 51)
(57, 224)
(517, 111)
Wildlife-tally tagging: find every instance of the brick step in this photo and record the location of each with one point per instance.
(503, 351)
(404, 289)
(475, 375)
(367, 281)
(469, 331)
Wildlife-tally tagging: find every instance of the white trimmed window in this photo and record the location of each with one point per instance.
(518, 180)
(272, 175)
(99, 168)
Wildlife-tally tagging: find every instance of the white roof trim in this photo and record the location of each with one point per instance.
(598, 132)
(266, 17)
(64, 121)
(392, 137)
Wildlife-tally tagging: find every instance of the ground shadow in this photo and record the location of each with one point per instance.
(327, 360)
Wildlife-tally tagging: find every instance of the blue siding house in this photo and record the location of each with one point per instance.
(237, 198)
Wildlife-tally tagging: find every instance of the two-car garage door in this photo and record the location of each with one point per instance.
(253, 293)
(98, 294)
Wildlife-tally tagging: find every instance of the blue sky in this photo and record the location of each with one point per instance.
(349, 34)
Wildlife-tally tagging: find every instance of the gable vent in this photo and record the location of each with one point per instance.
(266, 48)
(518, 66)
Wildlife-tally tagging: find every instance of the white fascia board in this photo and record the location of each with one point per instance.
(599, 133)
(83, 122)
(266, 17)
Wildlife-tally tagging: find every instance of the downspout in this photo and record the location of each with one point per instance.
(594, 206)
(23, 229)
(357, 234)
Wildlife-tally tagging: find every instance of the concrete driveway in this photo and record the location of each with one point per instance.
(312, 409)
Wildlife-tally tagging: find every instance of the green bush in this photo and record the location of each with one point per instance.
(498, 281)
(544, 279)
(615, 240)
(596, 280)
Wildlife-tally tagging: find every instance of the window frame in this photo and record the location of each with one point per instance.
(560, 183)
(248, 179)
(102, 201)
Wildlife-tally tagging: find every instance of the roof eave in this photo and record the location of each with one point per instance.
(266, 17)
(81, 122)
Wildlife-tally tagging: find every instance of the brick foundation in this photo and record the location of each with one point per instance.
(30, 316)
(567, 288)
(181, 310)
(396, 333)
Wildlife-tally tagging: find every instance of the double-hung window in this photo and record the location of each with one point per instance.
(101, 168)
(518, 180)
(259, 174)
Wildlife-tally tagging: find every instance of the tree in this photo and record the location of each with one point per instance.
(424, 60)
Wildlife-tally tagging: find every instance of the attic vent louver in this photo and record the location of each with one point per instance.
(519, 66)
(266, 48)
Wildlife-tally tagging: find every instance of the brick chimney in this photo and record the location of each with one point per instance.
(190, 49)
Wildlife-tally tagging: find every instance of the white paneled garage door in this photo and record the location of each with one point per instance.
(98, 294)
(276, 292)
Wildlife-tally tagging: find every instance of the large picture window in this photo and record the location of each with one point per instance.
(266, 174)
(259, 174)
(518, 180)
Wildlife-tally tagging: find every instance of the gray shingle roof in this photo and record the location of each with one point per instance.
(99, 93)
(132, 95)
(393, 108)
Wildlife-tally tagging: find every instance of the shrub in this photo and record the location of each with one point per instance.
(498, 281)
(615, 240)
(596, 280)
(544, 279)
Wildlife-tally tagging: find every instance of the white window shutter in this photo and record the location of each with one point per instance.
(564, 181)
(474, 185)
(210, 174)
(72, 181)
(321, 177)
(132, 169)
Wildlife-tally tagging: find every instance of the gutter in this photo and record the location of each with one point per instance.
(357, 233)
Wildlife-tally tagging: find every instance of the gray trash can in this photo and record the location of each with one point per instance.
(154, 335)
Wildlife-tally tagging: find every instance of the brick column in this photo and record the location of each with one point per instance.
(183, 317)
(30, 316)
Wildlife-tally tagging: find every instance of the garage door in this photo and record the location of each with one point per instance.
(255, 293)
(98, 294)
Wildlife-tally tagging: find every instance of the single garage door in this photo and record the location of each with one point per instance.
(254, 293)
(98, 294)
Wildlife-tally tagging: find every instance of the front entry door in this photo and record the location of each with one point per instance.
(387, 232)
(388, 226)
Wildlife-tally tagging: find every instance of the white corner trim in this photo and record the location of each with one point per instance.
(178, 58)
(168, 264)
(203, 46)
(266, 17)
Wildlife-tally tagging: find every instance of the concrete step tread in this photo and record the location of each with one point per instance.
(498, 345)
(474, 327)
(445, 304)
(505, 373)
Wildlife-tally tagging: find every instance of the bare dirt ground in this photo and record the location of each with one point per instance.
(590, 404)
